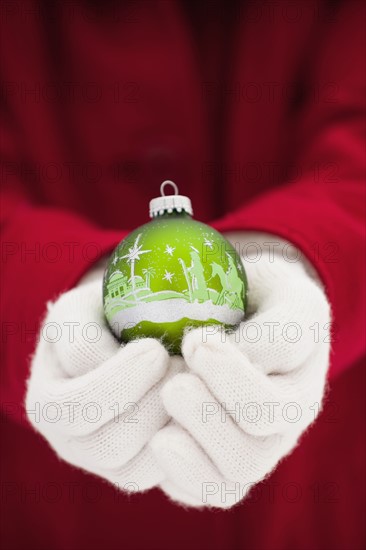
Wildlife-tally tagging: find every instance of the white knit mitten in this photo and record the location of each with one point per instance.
(248, 396)
(97, 403)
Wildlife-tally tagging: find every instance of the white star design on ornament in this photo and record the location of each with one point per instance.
(208, 243)
(169, 250)
(194, 248)
(168, 276)
(115, 260)
(135, 251)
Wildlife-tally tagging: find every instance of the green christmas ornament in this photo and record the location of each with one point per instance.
(170, 274)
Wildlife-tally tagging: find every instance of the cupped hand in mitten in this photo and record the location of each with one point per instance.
(95, 401)
(249, 395)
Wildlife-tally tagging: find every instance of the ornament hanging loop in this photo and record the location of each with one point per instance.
(169, 203)
(168, 182)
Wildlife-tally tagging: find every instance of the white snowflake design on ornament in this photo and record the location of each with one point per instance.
(169, 250)
(168, 276)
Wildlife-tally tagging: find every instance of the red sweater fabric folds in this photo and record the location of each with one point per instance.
(256, 110)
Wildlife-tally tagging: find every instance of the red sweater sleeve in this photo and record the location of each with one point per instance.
(322, 212)
(44, 252)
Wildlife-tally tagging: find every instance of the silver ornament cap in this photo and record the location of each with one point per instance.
(168, 203)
